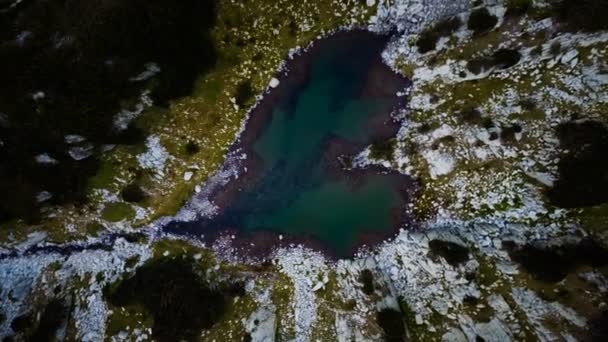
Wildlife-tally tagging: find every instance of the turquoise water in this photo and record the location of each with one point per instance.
(294, 193)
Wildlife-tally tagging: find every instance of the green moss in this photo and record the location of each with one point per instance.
(104, 178)
(487, 274)
(115, 212)
(282, 298)
(93, 228)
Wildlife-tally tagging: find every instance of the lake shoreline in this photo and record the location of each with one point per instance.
(381, 81)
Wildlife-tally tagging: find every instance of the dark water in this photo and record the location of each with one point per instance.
(294, 189)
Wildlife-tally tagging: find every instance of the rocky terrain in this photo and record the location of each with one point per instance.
(504, 130)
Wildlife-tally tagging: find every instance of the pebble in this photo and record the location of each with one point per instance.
(188, 175)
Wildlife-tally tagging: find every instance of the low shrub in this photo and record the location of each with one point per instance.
(244, 93)
(555, 48)
(429, 38)
(172, 292)
(584, 15)
(367, 279)
(501, 59)
(506, 58)
(192, 148)
(583, 169)
(41, 324)
(528, 104)
(391, 322)
(518, 7)
(453, 253)
(507, 134)
(470, 116)
(481, 21)
(133, 193)
(383, 150)
(553, 263)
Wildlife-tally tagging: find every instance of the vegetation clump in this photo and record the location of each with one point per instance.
(71, 76)
(471, 116)
(507, 134)
(429, 38)
(41, 325)
(528, 104)
(117, 211)
(383, 150)
(584, 15)
(481, 21)
(554, 263)
(367, 279)
(244, 93)
(518, 7)
(133, 193)
(192, 148)
(171, 291)
(583, 167)
(391, 322)
(501, 59)
(453, 253)
(555, 48)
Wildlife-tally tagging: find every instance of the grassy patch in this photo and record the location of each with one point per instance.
(116, 212)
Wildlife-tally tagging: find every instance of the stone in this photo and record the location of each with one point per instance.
(569, 56)
(274, 83)
(188, 175)
(454, 335)
(493, 331)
